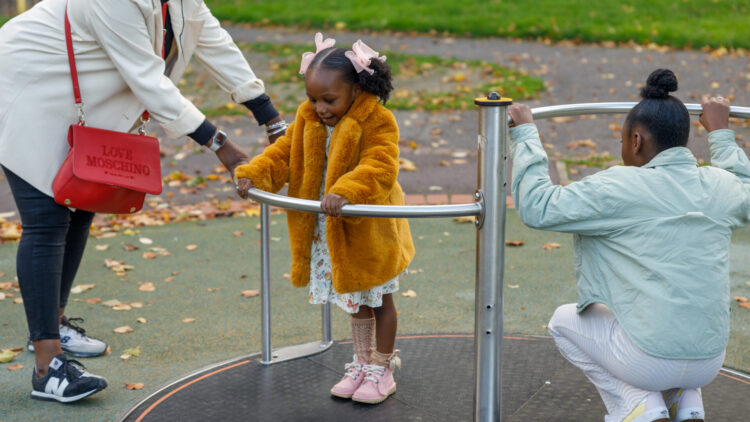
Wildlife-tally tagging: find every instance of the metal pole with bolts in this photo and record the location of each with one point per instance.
(265, 285)
(488, 325)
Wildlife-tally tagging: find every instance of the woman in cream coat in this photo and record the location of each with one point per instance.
(118, 47)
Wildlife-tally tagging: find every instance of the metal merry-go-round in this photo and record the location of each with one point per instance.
(538, 383)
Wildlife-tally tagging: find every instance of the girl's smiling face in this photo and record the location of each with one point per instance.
(330, 95)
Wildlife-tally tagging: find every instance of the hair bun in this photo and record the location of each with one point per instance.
(659, 84)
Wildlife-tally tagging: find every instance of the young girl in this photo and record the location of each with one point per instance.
(343, 148)
(652, 239)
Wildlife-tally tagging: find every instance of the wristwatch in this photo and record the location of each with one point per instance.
(218, 141)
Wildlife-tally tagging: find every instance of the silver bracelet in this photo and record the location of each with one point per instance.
(273, 126)
(277, 131)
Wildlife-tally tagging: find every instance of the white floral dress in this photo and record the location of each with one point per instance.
(320, 288)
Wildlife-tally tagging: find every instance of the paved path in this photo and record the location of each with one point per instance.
(573, 74)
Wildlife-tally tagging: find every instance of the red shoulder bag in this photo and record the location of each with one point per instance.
(105, 171)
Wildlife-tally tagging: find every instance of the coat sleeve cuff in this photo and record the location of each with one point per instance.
(187, 122)
(204, 133)
(262, 109)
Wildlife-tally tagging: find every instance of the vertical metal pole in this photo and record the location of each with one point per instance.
(488, 328)
(265, 286)
(326, 323)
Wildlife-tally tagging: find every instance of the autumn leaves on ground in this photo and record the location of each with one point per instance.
(174, 287)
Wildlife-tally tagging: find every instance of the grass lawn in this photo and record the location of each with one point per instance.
(3, 19)
(678, 23)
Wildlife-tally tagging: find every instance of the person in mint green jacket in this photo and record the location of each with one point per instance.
(652, 240)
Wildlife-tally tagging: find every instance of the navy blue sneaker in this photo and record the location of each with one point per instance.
(66, 381)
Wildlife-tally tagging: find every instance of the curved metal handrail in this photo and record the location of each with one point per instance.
(617, 108)
(393, 211)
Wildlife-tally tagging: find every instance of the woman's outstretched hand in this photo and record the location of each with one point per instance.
(520, 114)
(715, 113)
(243, 185)
(231, 156)
(332, 204)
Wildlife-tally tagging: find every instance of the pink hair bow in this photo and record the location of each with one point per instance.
(320, 45)
(361, 56)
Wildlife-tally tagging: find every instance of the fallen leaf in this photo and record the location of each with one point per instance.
(409, 293)
(459, 154)
(513, 286)
(745, 305)
(123, 330)
(445, 163)
(6, 356)
(740, 299)
(15, 367)
(514, 242)
(131, 352)
(237, 233)
(563, 119)
(169, 279)
(465, 219)
(2, 296)
(122, 307)
(18, 301)
(129, 247)
(111, 303)
(6, 286)
(145, 240)
(191, 247)
(134, 385)
(147, 287)
(188, 319)
(550, 246)
(142, 320)
(93, 300)
(81, 288)
(585, 143)
(136, 304)
(286, 276)
(149, 255)
(102, 247)
(250, 293)
(406, 165)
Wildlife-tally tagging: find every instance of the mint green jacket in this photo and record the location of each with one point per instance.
(651, 242)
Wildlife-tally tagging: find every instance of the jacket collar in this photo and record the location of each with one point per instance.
(360, 110)
(672, 156)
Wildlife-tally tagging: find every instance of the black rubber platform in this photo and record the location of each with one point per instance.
(435, 384)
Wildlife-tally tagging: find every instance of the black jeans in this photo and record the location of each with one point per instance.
(51, 248)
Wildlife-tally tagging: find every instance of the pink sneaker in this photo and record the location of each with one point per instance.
(351, 381)
(377, 385)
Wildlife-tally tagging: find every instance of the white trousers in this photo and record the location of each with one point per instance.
(622, 373)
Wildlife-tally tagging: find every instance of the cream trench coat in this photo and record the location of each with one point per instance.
(118, 46)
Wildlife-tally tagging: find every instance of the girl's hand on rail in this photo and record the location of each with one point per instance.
(332, 203)
(715, 114)
(521, 114)
(243, 185)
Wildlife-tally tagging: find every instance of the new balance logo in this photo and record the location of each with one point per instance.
(64, 339)
(56, 386)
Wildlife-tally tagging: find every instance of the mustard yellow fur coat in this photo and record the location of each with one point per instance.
(362, 167)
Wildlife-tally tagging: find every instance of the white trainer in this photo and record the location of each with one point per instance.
(74, 341)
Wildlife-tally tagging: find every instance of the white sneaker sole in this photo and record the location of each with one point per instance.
(51, 397)
(74, 353)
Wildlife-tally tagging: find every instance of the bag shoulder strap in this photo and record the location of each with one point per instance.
(72, 61)
(74, 72)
